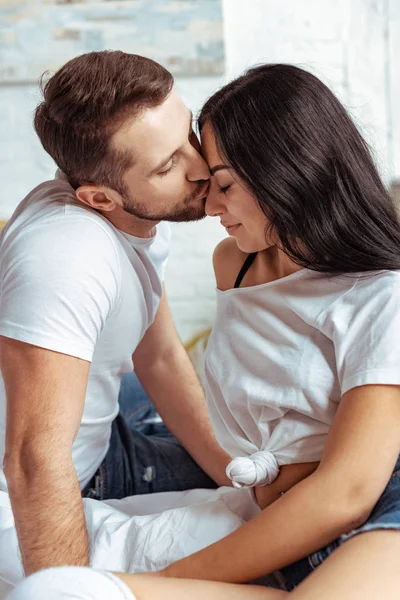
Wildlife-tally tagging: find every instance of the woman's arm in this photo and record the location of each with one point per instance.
(289, 475)
(360, 453)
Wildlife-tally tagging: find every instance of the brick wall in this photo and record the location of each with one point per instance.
(353, 45)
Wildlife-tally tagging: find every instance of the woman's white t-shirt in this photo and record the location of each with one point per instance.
(73, 283)
(282, 354)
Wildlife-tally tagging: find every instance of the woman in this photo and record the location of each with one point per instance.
(303, 376)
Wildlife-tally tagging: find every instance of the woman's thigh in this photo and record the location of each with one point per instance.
(366, 567)
(82, 583)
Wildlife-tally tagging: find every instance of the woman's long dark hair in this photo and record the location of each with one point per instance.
(298, 151)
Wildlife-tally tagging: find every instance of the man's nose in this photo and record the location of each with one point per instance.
(198, 169)
(214, 207)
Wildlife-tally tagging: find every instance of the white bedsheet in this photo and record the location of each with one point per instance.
(141, 533)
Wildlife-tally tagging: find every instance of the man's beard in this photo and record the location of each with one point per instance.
(188, 210)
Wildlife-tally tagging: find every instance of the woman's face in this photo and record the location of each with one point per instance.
(229, 199)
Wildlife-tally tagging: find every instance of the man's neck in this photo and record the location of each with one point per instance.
(132, 225)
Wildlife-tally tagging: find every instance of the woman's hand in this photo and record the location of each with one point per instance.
(288, 476)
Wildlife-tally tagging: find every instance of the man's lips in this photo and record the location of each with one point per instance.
(203, 193)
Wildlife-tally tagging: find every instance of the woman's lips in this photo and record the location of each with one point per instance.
(232, 228)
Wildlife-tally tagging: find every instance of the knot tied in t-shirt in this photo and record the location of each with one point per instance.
(261, 468)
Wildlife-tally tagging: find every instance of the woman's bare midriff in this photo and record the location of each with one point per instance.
(288, 476)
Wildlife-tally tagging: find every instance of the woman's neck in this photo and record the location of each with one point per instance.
(276, 263)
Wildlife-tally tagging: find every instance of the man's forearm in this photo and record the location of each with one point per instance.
(175, 390)
(49, 517)
(302, 521)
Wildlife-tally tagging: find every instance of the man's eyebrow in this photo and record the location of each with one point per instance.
(166, 161)
(219, 168)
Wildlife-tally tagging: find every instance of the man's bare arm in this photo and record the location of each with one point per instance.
(168, 376)
(45, 397)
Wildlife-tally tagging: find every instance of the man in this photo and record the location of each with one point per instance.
(82, 298)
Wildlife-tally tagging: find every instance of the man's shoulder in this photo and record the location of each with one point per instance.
(59, 240)
(51, 212)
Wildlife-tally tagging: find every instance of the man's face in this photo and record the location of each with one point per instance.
(169, 179)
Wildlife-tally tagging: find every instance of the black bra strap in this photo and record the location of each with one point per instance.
(246, 266)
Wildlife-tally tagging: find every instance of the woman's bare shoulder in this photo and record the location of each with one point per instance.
(227, 260)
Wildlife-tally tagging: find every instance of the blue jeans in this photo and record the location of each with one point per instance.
(143, 457)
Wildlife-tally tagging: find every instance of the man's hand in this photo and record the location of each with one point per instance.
(166, 373)
(45, 397)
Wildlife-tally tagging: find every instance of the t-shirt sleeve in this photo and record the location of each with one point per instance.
(59, 283)
(364, 326)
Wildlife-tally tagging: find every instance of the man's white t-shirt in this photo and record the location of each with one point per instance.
(73, 283)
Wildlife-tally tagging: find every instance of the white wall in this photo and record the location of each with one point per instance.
(353, 45)
(393, 40)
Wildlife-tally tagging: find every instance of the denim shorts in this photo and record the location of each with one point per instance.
(385, 515)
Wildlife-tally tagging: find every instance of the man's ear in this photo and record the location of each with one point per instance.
(99, 198)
